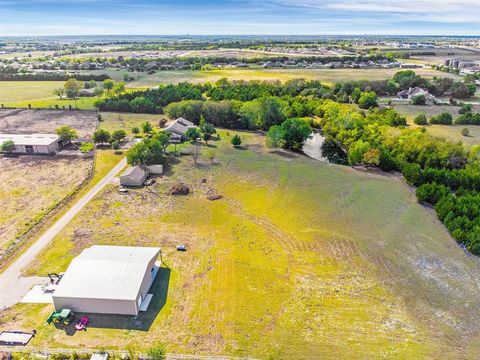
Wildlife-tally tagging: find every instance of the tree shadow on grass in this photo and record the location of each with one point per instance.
(143, 321)
(284, 154)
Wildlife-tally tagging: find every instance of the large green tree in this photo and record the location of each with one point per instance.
(295, 133)
(72, 88)
(66, 134)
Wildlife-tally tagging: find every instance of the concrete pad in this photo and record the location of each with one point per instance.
(15, 338)
(37, 296)
(146, 302)
(13, 291)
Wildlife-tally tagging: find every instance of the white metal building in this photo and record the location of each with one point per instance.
(33, 143)
(107, 280)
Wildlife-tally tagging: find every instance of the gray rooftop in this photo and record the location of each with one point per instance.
(136, 172)
(107, 272)
(30, 139)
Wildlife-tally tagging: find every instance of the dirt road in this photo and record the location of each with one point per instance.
(12, 286)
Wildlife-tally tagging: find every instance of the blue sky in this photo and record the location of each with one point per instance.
(195, 17)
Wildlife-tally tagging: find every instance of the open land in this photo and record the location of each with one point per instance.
(23, 121)
(449, 132)
(22, 91)
(300, 259)
(329, 76)
(31, 186)
(126, 121)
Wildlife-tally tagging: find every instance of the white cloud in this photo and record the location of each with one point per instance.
(441, 11)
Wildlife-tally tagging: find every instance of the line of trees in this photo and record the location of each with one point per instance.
(50, 76)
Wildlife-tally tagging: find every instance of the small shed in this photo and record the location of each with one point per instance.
(134, 176)
(155, 169)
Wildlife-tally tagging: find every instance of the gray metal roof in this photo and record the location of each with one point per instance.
(30, 139)
(107, 272)
(136, 172)
(185, 122)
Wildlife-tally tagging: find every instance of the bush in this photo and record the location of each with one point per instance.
(420, 120)
(135, 130)
(115, 145)
(157, 352)
(431, 192)
(419, 100)
(465, 109)
(101, 136)
(465, 132)
(367, 100)
(86, 147)
(236, 140)
(7, 146)
(444, 118)
(118, 135)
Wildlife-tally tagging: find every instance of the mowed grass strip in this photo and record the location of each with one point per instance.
(300, 259)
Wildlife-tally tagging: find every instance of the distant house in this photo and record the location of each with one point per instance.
(33, 143)
(416, 91)
(410, 66)
(178, 129)
(185, 122)
(87, 92)
(134, 176)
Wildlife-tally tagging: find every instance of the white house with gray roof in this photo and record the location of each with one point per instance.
(178, 128)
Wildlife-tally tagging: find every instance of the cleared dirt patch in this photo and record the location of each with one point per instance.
(20, 121)
(31, 185)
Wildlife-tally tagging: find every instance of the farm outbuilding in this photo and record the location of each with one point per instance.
(134, 176)
(33, 143)
(108, 280)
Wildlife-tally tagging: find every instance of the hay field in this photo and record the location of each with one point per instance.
(325, 75)
(300, 259)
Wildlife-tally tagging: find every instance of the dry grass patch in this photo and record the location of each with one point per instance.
(31, 185)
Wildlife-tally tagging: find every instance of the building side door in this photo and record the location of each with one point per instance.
(29, 149)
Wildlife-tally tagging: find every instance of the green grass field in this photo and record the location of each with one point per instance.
(19, 91)
(449, 132)
(39, 94)
(300, 259)
(325, 75)
(126, 121)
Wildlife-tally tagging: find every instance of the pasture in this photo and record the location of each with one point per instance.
(449, 132)
(126, 121)
(23, 91)
(326, 75)
(300, 259)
